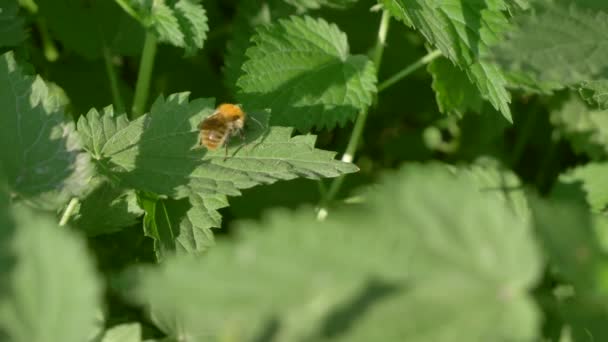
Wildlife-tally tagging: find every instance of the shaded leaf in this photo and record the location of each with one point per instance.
(463, 31)
(12, 31)
(304, 5)
(454, 92)
(106, 209)
(44, 164)
(54, 292)
(584, 128)
(589, 180)
(92, 26)
(182, 226)
(300, 68)
(181, 23)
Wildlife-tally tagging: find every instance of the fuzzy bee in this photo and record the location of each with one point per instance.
(216, 130)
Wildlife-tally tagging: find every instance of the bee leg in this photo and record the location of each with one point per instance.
(226, 148)
(242, 135)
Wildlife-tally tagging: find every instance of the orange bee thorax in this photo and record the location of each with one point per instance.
(216, 129)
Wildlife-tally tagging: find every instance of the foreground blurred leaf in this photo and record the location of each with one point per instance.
(182, 226)
(156, 152)
(355, 276)
(181, 23)
(54, 294)
(565, 229)
(560, 41)
(42, 156)
(463, 31)
(301, 69)
(584, 128)
(123, 333)
(91, 27)
(12, 31)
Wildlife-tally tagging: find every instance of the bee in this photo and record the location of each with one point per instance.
(216, 130)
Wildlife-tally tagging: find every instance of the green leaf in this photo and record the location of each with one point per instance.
(249, 14)
(181, 23)
(130, 332)
(454, 92)
(92, 26)
(12, 32)
(182, 226)
(565, 229)
(304, 5)
(7, 227)
(595, 93)
(44, 164)
(106, 209)
(560, 41)
(54, 292)
(589, 180)
(584, 128)
(157, 153)
(463, 31)
(301, 69)
(492, 179)
(294, 278)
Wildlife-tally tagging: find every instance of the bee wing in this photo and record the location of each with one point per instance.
(213, 121)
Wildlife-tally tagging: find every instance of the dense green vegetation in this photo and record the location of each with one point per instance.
(410, 170)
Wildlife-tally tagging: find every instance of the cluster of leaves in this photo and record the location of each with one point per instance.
(474, 209)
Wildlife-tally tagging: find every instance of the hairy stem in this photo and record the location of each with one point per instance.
(69, 210)
(116, 98)
(426, 59)
(357, 132)
(142, 88)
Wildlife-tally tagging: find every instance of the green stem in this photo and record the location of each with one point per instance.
(116, 98)
(409, 69)
(68, 211)
(142, 88)
(357, 132)
(48, 46)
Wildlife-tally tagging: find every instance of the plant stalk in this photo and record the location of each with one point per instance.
(426, 59)
(142, 88)
(116, 98)
(357, 132)
(68, 211)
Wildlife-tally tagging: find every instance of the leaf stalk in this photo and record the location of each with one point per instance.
(142, 88)
(426, 59)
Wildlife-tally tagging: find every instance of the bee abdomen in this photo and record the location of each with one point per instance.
(212, 139)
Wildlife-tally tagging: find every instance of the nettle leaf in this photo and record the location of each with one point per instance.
(12, 31)
(584, 128)
(182, 226)
(589, 180)
(130, 332)
(493, 179)
(42, 158)
(565, 229)
(54, 292)
(301, 69)
(93, 26)
(249, 14)
(454, 91)
(304, 5)
(157, 152)
(595, 93)
(106, 209)
(463, 31)
(181, 23)
(560, 41)
(429, 230)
